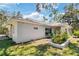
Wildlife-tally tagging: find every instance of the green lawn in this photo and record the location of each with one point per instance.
(28, 49)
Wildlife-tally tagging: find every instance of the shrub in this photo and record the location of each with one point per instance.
(3, 30)
(60, 38)
(76, 33)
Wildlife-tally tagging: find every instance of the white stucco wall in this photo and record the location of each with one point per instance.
(12, 31)
(26, 32)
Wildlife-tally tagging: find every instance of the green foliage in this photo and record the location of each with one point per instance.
(71, 15)
(48, 7)
(60, 38)
(3, 18)
(27, 49)
(76, 33)
(21, 50)
(3, 30)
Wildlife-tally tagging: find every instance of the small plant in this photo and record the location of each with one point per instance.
(3, 30)
(60, 38)
(76, 33)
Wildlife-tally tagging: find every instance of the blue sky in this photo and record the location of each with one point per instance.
(28, 9)
(24, 8)
(61, 7)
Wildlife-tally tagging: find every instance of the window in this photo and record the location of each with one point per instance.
(36, 28)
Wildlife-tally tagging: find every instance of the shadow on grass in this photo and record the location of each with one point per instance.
(41, 49)
(4, 44)
(74, 47)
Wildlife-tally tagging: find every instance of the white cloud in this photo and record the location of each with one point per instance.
(62, 13)
(35, 16)
(55, 7)
(3, 5)
(7, 4)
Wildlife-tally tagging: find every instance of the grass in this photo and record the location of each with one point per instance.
(8, 48)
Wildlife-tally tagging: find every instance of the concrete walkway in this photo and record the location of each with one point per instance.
(41, 41)
(73, 40)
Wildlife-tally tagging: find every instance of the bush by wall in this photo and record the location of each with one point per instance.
(60, 38)
(3, 30)
(76, 33)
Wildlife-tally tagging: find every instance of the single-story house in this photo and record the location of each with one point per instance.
(23, 30)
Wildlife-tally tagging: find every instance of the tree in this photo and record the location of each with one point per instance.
(71, 15)
(50, 7)
(45, 19)
(54, 15)
(16, 15)
(3, 18)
